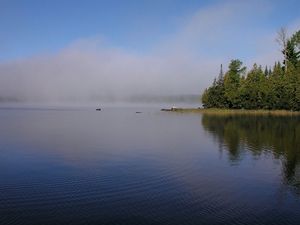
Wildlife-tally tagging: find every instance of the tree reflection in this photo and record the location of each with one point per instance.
(259, 134)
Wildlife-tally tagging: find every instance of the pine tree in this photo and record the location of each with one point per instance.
(277, 88)
(266, 72)
(232, 83)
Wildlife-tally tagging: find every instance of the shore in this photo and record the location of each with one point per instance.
(215, 111)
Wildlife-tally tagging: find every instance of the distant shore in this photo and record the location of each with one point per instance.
(215, 111)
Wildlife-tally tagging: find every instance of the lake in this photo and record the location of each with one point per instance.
(81, 166)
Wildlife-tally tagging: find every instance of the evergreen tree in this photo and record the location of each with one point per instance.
(278, 88)
(232, 83)
(292, 54)
(266, 72)
(213, 97)
(253, 90)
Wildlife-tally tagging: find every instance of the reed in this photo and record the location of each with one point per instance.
(215, 111)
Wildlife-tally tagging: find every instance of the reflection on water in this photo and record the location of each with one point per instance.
(259, 134)
(80, 166)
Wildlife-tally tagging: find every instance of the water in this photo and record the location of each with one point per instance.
(80, 166)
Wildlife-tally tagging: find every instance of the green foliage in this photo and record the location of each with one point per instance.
(277, 88)
(291, 53)
(232, 82)
(295, 40)
(253, 90)
(214, 96)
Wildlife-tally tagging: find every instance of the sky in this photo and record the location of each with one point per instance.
(59, 50)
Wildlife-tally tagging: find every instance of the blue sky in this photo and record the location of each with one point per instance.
(33, 26)
(55, 49)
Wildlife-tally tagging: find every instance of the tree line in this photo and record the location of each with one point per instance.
(260, 88)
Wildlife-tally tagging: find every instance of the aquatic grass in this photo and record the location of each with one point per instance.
(215, 111)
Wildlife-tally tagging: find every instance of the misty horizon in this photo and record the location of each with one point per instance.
(117, 57)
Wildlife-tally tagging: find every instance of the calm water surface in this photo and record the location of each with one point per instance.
(80, 166)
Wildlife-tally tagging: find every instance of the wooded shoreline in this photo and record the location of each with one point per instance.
(276, 88)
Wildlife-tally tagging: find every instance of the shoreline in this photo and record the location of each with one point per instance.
(216, 111)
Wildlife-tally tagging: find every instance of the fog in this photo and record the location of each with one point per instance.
(80, 73)
(182, 63)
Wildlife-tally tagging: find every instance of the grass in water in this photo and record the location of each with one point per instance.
(236, 111)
